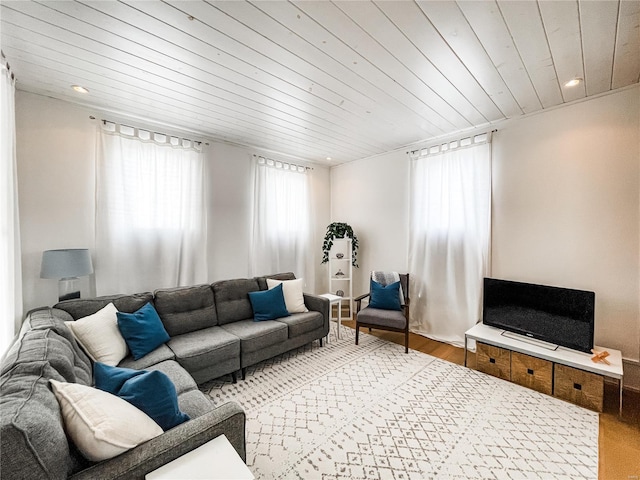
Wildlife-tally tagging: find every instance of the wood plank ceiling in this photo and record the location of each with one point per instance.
(319, 79)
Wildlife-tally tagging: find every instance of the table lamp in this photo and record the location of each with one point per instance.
(66, 265)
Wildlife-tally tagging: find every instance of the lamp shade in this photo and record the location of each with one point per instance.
(66, 263)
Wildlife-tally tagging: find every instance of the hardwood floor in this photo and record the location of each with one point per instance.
(619, 436)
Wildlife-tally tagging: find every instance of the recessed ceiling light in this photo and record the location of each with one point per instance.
(328, 158)
(79, 89)
(573, 82)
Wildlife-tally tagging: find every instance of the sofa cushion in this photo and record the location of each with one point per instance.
(257, 335)
(142, 330)
(195, 403)
(232, 299)
(262, 281)
(387, 318)
(268, 304)
(301, 323)
(82, 307)
(205, 347)
(293, 296)
(158, 355)
(178, 375)
(32, 437)
(100, 424)
(111, 379)
(152, 391)
(45, 319)
(49, 347)
(186, 309)
(48, 318)
(100, 336)
(154, 394)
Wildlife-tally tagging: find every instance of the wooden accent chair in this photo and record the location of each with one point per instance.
(391, 320)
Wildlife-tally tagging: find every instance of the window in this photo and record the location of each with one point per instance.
(150, 211)
(450, 226)
(10, 264)
(281, 219)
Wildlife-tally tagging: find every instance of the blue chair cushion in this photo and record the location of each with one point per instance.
(385, 297)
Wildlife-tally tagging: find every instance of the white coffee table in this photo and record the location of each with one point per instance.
(334, 299)
(216, 459)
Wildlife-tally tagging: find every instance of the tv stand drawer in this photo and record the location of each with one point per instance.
(495, 361)
(577, 386)
(532, 372)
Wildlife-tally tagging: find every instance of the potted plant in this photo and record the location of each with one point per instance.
(339, 230)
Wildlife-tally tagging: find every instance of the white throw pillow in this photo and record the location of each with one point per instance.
(100, 336)
(292, 290)
(101, 425)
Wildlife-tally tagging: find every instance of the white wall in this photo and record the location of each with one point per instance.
(55, 148)
(566, 209)
(230, 205)
(372, 196)
(56, 181)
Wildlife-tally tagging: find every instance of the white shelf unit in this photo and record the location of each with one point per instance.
(341, 271)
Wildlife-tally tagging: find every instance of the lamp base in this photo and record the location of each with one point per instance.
(68, 289)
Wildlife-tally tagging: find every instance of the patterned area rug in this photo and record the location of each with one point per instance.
(373, 412)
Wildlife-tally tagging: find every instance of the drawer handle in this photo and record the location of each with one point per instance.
(492, 360)
(577, 386)
(529, 371)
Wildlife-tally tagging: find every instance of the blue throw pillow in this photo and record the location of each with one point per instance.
(111, 379)
(142, 330)
(152, 392)
(268, 304)
(385, 297)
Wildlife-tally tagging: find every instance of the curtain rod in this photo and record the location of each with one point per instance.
(282, 162)
(6, 65)
(104, 122)
(460, 139)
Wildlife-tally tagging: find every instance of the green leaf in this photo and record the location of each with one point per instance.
(339, 230)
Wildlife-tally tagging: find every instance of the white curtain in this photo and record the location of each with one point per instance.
(10, 263)
(449, 240)
(280, 233)
(151, 229)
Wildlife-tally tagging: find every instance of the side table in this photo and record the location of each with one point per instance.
(216, 459)
(334, 300)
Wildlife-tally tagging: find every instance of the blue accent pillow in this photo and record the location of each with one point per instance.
(153, 392)
(385, 297)
(268, 304)
(142, 330)
(111, 379)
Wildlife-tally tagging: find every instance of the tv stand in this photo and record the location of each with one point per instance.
(533, 341)
(564, 373)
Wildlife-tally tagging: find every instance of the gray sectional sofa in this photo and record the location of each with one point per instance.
(212, 333)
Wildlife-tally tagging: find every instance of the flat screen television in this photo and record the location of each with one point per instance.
(560, 316)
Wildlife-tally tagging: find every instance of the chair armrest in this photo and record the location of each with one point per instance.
(359, 299)
(228, 419)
